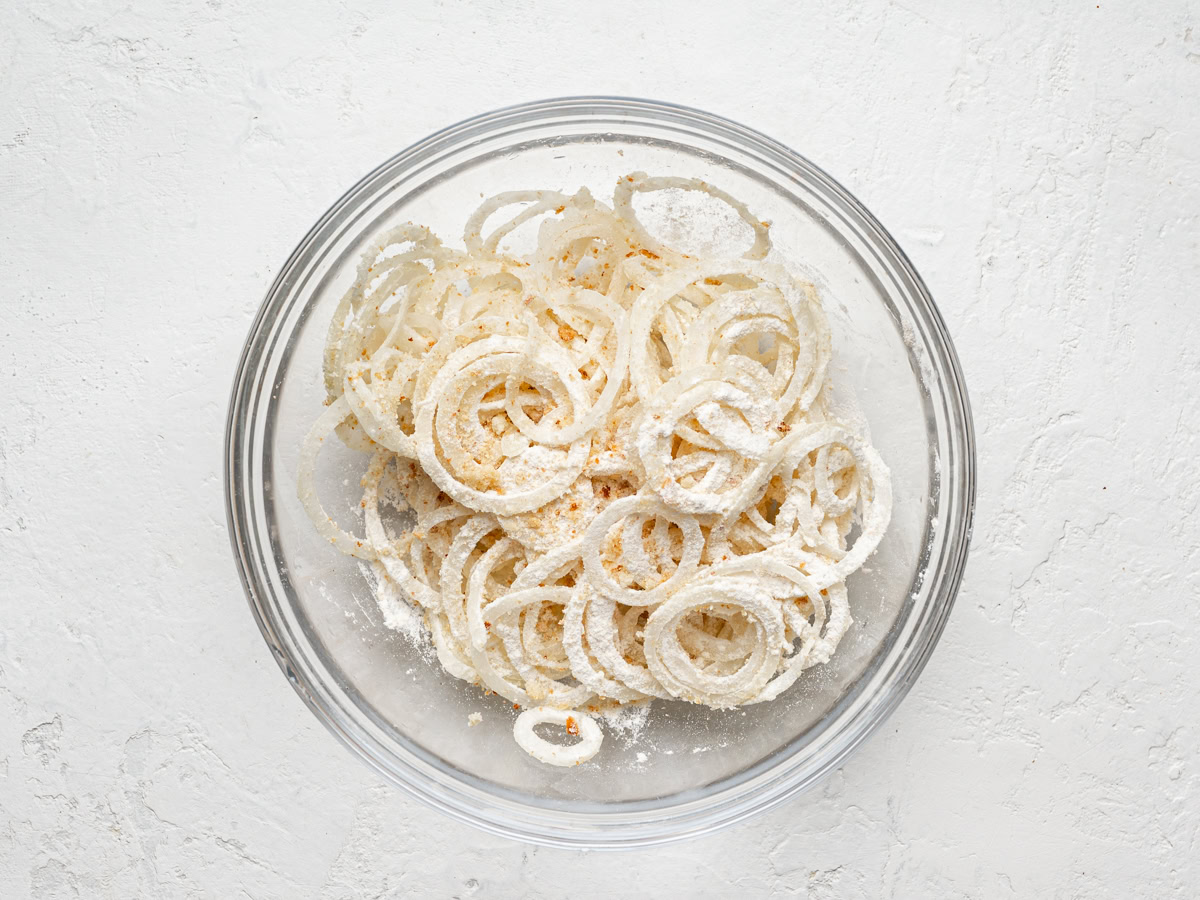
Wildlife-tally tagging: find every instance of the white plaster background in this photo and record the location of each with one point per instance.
(1039, 161)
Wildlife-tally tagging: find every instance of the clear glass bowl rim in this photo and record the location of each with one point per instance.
(642, 823)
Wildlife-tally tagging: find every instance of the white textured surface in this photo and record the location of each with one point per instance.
(1038, 161)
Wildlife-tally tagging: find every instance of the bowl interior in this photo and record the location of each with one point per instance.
(678, 749)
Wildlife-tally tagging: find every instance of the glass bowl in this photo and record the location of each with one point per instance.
(686, 770)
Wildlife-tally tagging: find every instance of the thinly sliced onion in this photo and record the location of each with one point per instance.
(601, 472)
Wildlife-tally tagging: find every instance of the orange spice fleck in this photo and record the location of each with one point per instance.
(572, 726)
(648, 254)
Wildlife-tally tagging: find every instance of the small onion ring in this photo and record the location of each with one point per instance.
(590, 736)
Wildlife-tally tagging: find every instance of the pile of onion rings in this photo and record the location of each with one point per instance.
(624, 473)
